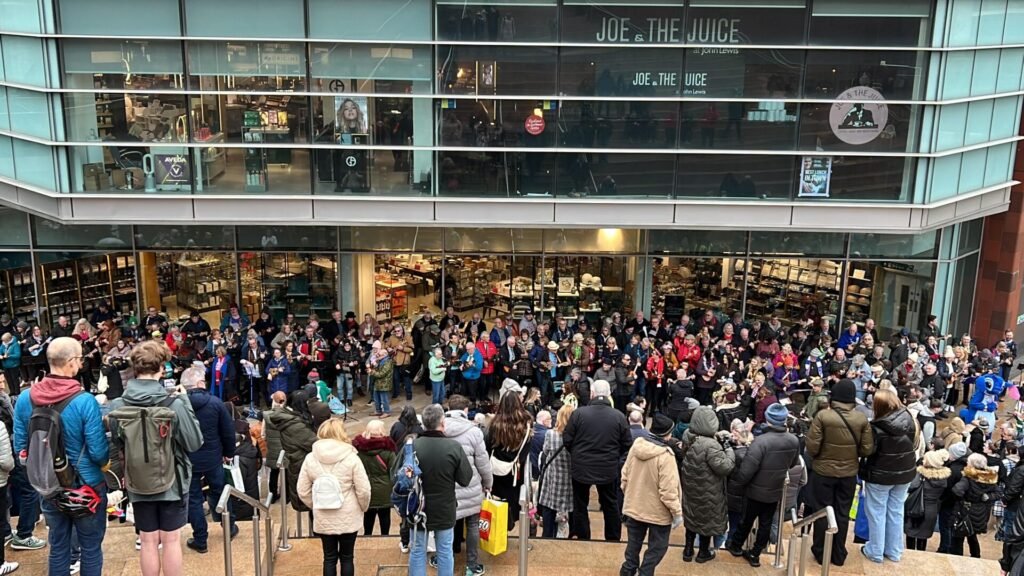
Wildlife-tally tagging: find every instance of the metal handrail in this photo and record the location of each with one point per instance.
(800, 529)
(282, 491)
(264, 565)
(524, 521)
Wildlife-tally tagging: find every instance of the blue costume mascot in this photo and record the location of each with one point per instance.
(984, 402)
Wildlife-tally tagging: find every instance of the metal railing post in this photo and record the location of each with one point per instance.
(826, 556)
(781, 515)
(283, 544)
(256, 544)
(262, 512)
(225, 521)
(298, 524)
(269, 558)
(524, 523)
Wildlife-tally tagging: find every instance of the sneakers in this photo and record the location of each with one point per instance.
(753, 559)
(8, 567)
(477, 570)
(76, 567)
(433, 561)
(403, 547)
(733, 549)
(191, 543)
(30, 543)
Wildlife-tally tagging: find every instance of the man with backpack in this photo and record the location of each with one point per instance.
(155, 432)
(218, 428)
(60, 438)
(443, 464)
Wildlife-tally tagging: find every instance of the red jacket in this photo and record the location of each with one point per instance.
(688, 354)
(488, 351)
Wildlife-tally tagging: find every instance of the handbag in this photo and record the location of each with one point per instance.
(500, 467)
(913, 507)
(962, 525)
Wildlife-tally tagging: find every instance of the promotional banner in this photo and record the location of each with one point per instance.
(815, 177)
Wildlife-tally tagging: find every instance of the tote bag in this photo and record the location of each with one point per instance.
(494, 527)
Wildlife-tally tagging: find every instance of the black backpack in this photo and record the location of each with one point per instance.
(47, 466)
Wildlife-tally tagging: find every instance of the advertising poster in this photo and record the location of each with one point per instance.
(815, 177)
(859, 115)
(172, 169)
(350, 117)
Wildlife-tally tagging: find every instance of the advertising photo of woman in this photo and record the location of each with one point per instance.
(350, 119)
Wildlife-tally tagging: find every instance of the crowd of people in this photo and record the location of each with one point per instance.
(707, 422)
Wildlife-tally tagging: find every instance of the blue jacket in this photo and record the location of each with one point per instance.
(279, 382)
(472, 372)
(227, 373)
(13, 353)
(83, 427)
(218, 428)
(243, 319)
(845, 340)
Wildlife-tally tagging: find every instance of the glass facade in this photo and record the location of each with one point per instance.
(49, 269)
(794, 100)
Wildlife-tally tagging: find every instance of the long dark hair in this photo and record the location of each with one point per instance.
(511, 423)
(408, 418)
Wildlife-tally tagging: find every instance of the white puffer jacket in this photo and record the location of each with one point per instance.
(6, 455)
(340, 459)
(470, 498)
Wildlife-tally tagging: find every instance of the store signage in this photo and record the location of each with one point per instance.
(621, 30)
(859, 115)
(172, 169)
(898, 266)
(656, 79)
(534, 124)
(815, 177)
(279, 59)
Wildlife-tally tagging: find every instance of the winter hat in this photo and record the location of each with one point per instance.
(935, 458)
(984, 425)
(844, 391)
(662, 425)
(957, 451)
(313, 376)
(776, 414)
(509, 385)
(692, 403)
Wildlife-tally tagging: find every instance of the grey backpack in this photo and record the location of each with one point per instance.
(147, 435)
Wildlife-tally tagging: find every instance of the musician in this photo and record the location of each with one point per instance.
(236, 319)
(346, 361)
(508, 355)
(196, 326)
(654, 373)
(284, 335)
(174, 339)
(499, 333)
(254, 353)
(707, 377)
(470, 364)
(467, 326)
(450, 319)
(312, 351)
(454, 347)
(62, 328)
(624, 376)
(562, 334)
(437, 371)
(153, 321)
(657, 332)
(35, 346)
(10, 353)
(278, 371)
(489, 352)
(400, 346)
(527, 323)
(222, 375)
(812, 366)
(604, 336)
(838, 366)
(266, 327)
(547, 370)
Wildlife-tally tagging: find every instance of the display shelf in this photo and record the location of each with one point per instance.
(203, 282)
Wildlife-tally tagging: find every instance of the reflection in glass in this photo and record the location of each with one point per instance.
(895, 75)
(247, 66)
(252, 170)
(584, 174)
(618, 72)
(742, 73)
(290, 282)
(497, 123)
(489, 70)
(793, 289)
(17, 286)
(496, 174)
(74, 284)
(740, 125)
(919, 245)
(205, 282)
(618, 124)
(867, 178)
(497, 21)
(817, 133)
(895, 294)
(749, 177)
(138, 168)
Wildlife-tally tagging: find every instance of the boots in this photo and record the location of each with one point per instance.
(705, 554)
(688, 549)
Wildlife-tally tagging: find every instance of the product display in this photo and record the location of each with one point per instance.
(204, 282)
(284, 282)
(74, 287)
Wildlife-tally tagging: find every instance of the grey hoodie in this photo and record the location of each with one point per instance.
(187, 436)
(469, 498)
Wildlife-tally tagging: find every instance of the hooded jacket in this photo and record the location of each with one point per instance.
(296, 440)
(339, 459)
(893, 457)
(188, 437)
(470, 498)
(85, 440)
(707, 464)
(597, 437)
(978, 490)
(218, 431)
(250, 462)
(836, 454)
(378, 458)
(650, 483)
(766, 464)
(934, 481)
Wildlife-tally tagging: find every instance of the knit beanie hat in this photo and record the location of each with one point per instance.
(662, 425)
(844, 391)
(776, 414)
(935, 458)
(957, 451)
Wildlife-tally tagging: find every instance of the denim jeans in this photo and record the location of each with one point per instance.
(472, 539)
(90, 529)
(884, 508)
(196, 517)
(437, 392)
(418, 553)
(27, 501)
(399, 377)
(469, 387)
(382, 401)
(344, 383)
(640, 386)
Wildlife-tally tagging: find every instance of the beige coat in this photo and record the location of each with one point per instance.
(402, 347)
(650, 483)
(342, 460)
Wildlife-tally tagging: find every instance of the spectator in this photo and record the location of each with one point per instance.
(337, 523)
(555, 479)
(933, 475)
(408, 424)
(763, 471)
(218, 429)
(541, 425)
(400, 348)
(740, 437)
(6, 466)
(957, 463)
(250, 460)
(296, 437)
(598, 439)
(837, 439)
(707, 461)
(636, 423)
(469, 498)
(887, 474)
(650, 488)
(10, 352)
(159, 517)
(443, 464)
(381, 370)
(378, 455)
(507, 441)
(1013, 523)
(977, 491)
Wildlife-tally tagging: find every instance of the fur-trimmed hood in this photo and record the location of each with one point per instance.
(364, 444)
(986, 476)
(934, 473)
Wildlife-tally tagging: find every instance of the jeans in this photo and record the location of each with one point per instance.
(28, 501)
(90, 529)
(196, 517)
(640, 386)
(754, 510)
(546, 385)
(838, 493)
(472, 539)
(418, 553)
(549, 520)
(945, 530)
(339, 548)
(607, 495)
(399, 377)
(344, 386)
(657, 545)
(382, 401)
(437, 392)
(483, 387)
(884, 508)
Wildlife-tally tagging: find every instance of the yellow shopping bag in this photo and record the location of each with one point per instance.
(494, 527)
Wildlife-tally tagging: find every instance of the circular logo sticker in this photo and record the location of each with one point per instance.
(534, 124)
(859, 115)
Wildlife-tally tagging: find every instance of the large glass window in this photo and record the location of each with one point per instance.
(245, 18)
(888, 75)
(289, 282)
(113, 65)
(489, 70)
(870, 23)
(111, 18)
(619, 72)
(868, 178)
(311, 238)
(17, 286)
(193, 281)
(615, 175)
(920, 245)
(74, 284)
(24, 60)
(741, 73)
(618, 124)
(730, 22)
(156, 118)
(497, 21)
(123, 167)
(51, 234)
(895, 294)
(496, 123)
(496, 174)
(406, 20)
(248, 66)
(696, 242)
(860, 125)
(722, 176)
(684, 285)
(793, 289)
(765, 125)
(623, 22)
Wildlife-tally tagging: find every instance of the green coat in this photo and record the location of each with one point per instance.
(378, 456)
(705, 470)
(297, 440)
(382, 376)
(444, 465)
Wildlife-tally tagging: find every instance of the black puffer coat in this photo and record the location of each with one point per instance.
(934, 480)
(250, 462)
(736, 492)
(597, 438)
(678, 392)
(978, 490)
(894, 459)
(767, 463)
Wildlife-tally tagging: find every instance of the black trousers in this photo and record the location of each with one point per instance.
(838, 493)
(274, 472)
(607, 495)
(657, 545)
(339, 548)
(372, 514)
(763, 512)
(916, 543)
(956, 547)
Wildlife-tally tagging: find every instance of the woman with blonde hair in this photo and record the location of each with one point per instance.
(378, 454)
(554, 498)
(333, 483)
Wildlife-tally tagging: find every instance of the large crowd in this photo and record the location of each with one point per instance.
(707, 422)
